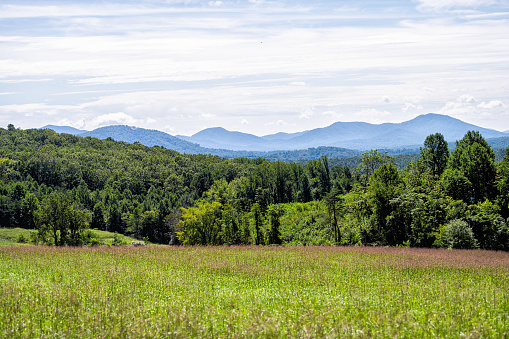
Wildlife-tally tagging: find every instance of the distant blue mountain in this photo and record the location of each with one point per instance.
(146, 137)
(337, 140)
(351, 135)
(64, 129)
(219, 137)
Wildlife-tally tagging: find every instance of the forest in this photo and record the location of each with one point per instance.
(64, 186)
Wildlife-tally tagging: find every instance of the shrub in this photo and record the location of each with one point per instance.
(117, 240)
(457, 234)
(22, 239)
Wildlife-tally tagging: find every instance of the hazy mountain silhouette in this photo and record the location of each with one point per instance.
(338, 139)
(352, 135)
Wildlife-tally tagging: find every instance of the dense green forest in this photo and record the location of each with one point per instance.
(61, 185)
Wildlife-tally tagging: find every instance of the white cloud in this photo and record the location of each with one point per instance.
(479, 114)
(115, 118)
(466, 98)
(440, 5)
(409, 106)
(40, 109)
(306, 113)
(244, 122)
(333, 115)
(176, 62)
(276, 123)
(492, 104)
(374, 115)
(80, 124)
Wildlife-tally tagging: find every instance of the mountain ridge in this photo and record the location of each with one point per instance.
(339, 138)
(352, 135)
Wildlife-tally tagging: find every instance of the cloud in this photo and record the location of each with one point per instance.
(440, 5)
(306, 113)
(492, 104)
(276, 123)
(466, 98)
(409, 106)
(116, 118)
(244, 122)
(333, 115)
(40, 109)
(80, 124)
(466, 108)
(149, 57)
(374, 115)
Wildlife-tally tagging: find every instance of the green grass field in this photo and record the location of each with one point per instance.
(309, 292)
(9, 236)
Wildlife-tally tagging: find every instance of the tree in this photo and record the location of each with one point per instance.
(334, 206)
(383, 186)
(201, 224)
(275, 212)
(435, 154)
(370, 161)
(455, 185)
(29, 206)
(476, 160)
(98, 218)
(257, 213)
(489, 228)
(60, 220)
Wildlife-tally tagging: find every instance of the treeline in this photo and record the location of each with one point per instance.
(457, 199)
(133, 189)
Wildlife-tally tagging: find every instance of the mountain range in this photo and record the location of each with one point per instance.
(340, 138)
(354, 135)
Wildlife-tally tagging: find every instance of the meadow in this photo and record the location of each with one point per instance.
(306, 292)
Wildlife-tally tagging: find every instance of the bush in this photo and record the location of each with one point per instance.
(117, 240)
(93, 242)
(457, 234)
(22, 239)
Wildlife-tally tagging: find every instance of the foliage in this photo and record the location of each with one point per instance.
(59, 222)
(476, 160)
(161, 196)
(435, 154)
(456, 234)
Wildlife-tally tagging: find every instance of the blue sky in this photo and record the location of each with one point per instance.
(253, 66)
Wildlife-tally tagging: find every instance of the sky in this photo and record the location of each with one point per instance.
(254, 66)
